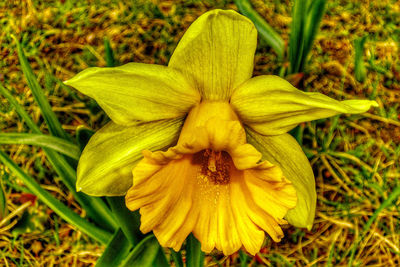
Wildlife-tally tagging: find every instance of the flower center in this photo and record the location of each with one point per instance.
(215, 165)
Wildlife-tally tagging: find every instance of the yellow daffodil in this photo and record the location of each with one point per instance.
(216, 159)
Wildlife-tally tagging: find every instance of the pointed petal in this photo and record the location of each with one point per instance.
(217, 52)
(270, 105)
(137, 91)
(105, 166)
(284, 151)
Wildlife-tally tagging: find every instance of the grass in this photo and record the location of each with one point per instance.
(355, 158)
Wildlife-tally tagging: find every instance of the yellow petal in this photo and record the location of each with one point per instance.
(217, 53)
(284, 151)
(251, 235)
(105, 166)
(274, 197)
(270, 105)
(137, 91)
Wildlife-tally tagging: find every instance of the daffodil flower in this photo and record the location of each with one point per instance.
(199, 146)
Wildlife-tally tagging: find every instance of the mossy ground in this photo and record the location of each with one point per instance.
(355, 158)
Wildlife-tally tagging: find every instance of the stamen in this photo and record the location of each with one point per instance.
(216, 165)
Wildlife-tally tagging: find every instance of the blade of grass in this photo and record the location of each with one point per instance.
(95, 207)
(129, 221)
(243, 258)
(360, 71)
(20, 110)
(55, 143)
(177, 258)
(49, 116)
(296, 39)
(144, 254)
(394, 195)
(314, 16)
(3, 203)
(161, 259)
(270, 36)
(116, 251)
(110, 60)
(194, 255)
(63, 211)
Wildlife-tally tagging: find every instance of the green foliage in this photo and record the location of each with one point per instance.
(269, 35)
(63, 211)
(360, 71)
(47, 141)
(194, 255)
(50, 117)
(127, 246)
(306, 18)
(3, 203)
(116, 251)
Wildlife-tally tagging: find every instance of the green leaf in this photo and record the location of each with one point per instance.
(313, 21)
(55, 143)
(109, 53)
(116, 251)
(3, 203)
(194, 255)
(95, 207)
(63, 211)
(177, 258)
(161, 260)
(20, 110)
(144, 254)
(269, 35)
(360, 71)
(297, 34)
(243, 258)
(129, 221)
(49, 116)
(306, 19)
(394, 196)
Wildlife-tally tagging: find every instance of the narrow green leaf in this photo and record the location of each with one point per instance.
(129, 221)
(95, 207)
(161, 259)
(270, 36)
(3, 202)
(110, 61)
(296, 39)
(116, 251)
(194, 255)
(360, 71)
(63, 211)
(394, 195)
(49, 116)
(20, 110)
(314, 17)
(55, 143)
(177, 258)
(144, 254)
(243, 258)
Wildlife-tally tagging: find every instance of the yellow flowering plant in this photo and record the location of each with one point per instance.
(200, 146)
